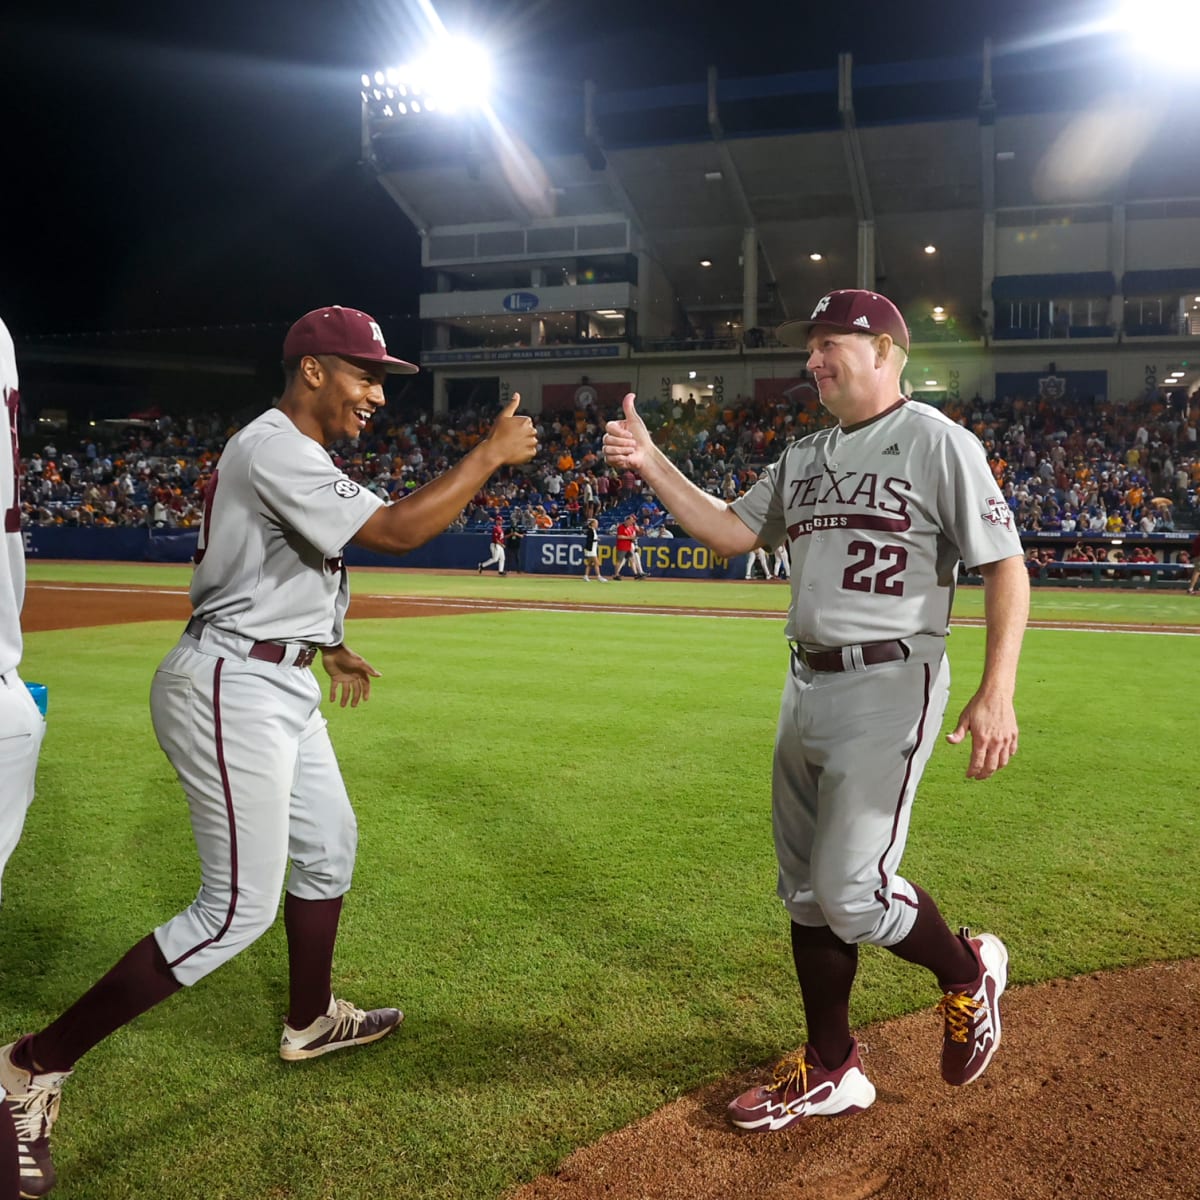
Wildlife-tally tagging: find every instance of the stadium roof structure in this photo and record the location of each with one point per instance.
(914, 157)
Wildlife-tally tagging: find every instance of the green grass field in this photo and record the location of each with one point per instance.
(565, 878)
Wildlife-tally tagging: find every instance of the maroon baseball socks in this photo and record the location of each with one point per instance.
(931, 944)
(825, 967)
(311, 932)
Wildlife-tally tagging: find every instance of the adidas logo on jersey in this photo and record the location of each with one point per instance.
(892, 449)
(863, 322)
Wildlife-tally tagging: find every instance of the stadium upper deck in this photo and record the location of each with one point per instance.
(1035, 214)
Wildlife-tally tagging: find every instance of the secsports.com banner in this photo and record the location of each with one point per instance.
(677, 558)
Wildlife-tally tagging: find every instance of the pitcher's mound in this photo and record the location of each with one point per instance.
(1091, 1096)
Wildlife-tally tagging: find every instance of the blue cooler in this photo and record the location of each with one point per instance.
(41, 696)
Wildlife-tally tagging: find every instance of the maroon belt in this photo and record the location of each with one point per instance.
(272, 652)
(834, 660)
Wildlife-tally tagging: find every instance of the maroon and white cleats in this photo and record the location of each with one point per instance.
(343, 1025)
(972, 1016)
(804, 1087)
(32, 1101)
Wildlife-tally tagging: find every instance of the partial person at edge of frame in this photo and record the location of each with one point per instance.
(22, 726)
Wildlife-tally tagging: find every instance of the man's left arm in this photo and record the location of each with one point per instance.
(989, 716)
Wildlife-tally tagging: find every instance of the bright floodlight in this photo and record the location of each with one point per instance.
(1154, 27)
(455, 74)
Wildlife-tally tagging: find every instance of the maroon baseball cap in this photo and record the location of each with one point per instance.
(851, 309)
(345, 332)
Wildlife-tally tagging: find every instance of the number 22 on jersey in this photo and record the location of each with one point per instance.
(875, 569)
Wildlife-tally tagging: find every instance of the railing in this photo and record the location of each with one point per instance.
(672, 344)
(1099, 574)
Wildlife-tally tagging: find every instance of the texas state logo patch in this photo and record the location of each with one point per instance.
(997, 512)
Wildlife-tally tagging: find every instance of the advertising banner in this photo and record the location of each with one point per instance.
(675, 558)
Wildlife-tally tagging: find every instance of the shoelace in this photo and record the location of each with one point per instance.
(348, 1020)
(959, 1011)
(35, 1112)
(791, 1069)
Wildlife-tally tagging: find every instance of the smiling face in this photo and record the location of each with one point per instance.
(341, 396)
(844, 367)
(857, 374)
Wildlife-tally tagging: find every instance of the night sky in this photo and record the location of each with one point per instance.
(175, 164)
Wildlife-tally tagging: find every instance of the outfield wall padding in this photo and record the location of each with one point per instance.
(541, 554)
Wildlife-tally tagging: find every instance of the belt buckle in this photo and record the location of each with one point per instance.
(806, 659)
(305, 657)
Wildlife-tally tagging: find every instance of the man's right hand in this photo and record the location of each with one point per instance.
(514, 438)
(627, 443)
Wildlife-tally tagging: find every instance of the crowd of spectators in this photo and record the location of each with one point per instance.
(1071, 466)
(1066, 466)
(147, 473)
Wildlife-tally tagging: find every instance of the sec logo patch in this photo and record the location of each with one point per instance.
(346, 488)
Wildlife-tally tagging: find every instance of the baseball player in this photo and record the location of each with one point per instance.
(497, 550)
(21, 724)
(237, 710)
(783, 568)
(591, 551)
(757, 555)
(877, 511)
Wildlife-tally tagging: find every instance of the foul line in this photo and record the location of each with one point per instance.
(34, 585)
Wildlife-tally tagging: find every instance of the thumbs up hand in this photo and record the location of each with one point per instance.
(627, 441)
(514, 438)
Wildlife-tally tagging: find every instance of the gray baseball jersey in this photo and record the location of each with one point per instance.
(245, 733)
(277, 516)
(877, 517)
